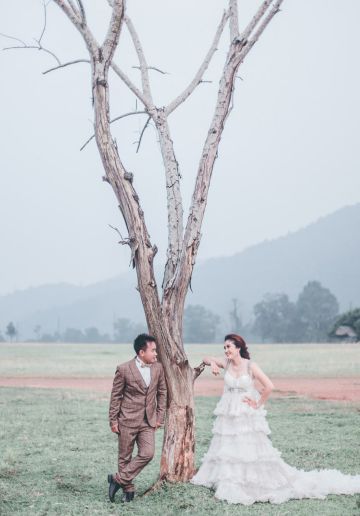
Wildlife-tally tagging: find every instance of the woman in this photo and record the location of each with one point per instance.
(241, 464)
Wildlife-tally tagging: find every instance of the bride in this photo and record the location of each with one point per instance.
(241, 464)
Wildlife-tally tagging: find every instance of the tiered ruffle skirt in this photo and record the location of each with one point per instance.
(242, 466)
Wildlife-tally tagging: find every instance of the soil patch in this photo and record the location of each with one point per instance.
(341, 389)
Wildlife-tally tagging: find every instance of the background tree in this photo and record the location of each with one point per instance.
(163, 310)
(50, 337)
(235, 319)
(200, 324)
(92, 335)
(1, 337)
(124, 330)
(274, 318)
(37, 331)
(317, 309)
(72, 335)
(350, 319)
(11, 331)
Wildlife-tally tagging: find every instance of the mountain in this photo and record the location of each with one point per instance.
(60, 306)
(327, 250)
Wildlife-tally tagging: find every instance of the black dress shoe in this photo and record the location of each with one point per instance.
(113, 488)
(128, 497)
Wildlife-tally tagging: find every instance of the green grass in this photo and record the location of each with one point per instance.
(56, 450)
(99, 360)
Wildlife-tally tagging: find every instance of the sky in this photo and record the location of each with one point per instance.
(289, 153)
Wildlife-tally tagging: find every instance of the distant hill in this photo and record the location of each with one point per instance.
(59, 306)
(327, 250)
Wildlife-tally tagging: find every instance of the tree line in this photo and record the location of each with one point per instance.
(313, 317)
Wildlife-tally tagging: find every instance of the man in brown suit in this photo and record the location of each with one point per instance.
(137, 409)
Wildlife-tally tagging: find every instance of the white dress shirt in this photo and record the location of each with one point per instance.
(144, 370)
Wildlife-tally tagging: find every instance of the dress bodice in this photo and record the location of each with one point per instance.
(242, 383)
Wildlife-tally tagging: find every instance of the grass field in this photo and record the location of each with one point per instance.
(56, 448)
(99, 360)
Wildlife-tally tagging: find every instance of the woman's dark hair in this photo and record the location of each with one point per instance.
(141, 342)
(239, 343)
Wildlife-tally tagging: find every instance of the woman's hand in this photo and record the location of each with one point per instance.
(214, 368)
(252, 403)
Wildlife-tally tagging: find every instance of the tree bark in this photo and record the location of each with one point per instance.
(177, 459)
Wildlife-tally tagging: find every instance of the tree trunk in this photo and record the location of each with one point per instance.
(177, 459)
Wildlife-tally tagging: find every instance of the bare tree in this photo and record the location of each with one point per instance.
(164, 306)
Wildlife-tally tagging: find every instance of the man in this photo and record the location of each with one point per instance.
(137, 409)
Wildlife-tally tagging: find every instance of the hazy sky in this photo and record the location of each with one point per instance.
(289, 154)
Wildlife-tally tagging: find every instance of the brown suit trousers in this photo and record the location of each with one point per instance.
(137, 409)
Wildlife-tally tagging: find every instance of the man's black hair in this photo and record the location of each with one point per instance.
(141, 342)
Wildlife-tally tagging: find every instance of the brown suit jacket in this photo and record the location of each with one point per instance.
(131, 400)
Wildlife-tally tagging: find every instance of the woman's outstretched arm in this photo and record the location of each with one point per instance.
(215, 363)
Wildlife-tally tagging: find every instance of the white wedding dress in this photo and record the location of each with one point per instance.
(241, 464)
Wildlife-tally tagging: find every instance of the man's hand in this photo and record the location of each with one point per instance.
(115, 428)
(158, 425)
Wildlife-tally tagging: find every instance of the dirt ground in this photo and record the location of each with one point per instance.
(341, 389)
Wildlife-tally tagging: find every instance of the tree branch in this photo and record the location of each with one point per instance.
(110, 42)
(35, 47)
(152, 68)
(114, 120)
(234, 21)
(236, 55)
(122, 241)
(113, 33)
(75, 17)
(73, 8)
(70, 11)
(12, 37)
(130, 85)
(139, 240)
(249, 43)
(93, 46)
(173, 193)
(255, 20)
(82, 11)
(197, 79)
(142, 133)
(39, 45)
(198, 370)
(143, 64)
(274, 10)
(44, 27)
(66, 64)
(174, 199)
